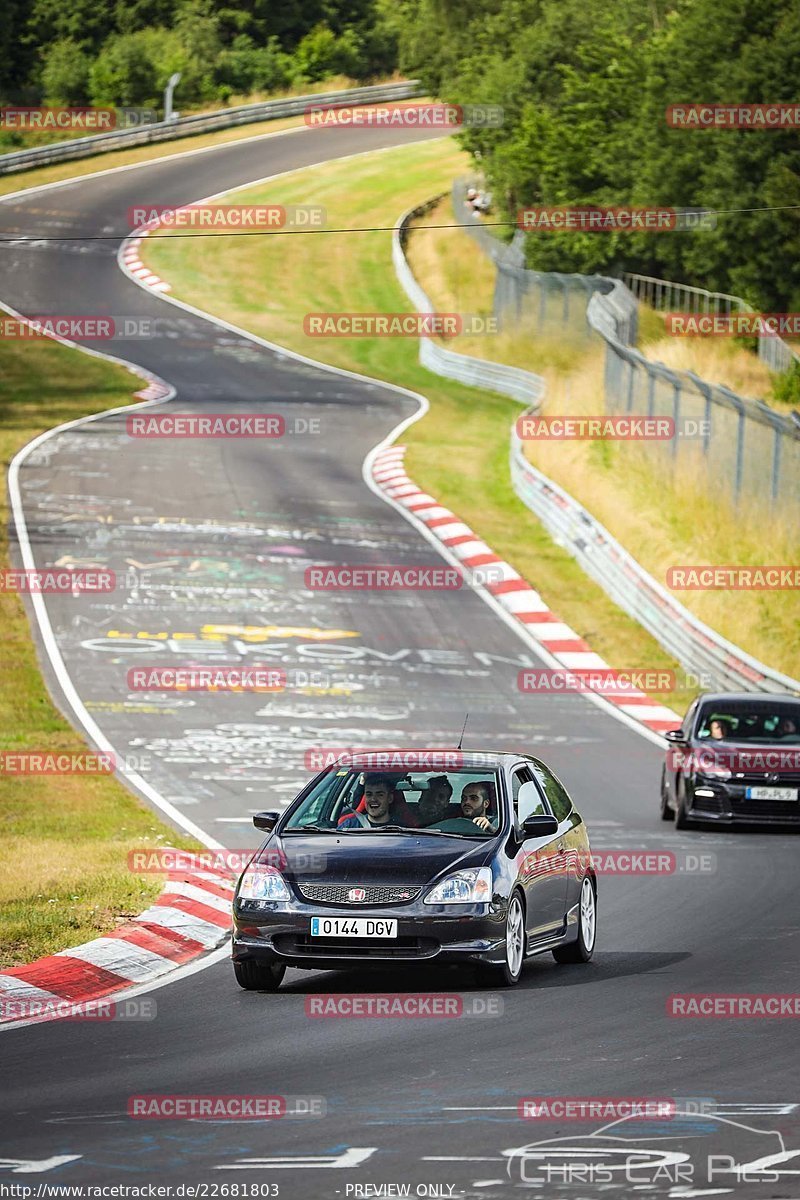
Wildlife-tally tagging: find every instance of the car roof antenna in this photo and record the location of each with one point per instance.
(463, 727)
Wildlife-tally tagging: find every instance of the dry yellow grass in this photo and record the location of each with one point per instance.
(459, 278)
(717, 360)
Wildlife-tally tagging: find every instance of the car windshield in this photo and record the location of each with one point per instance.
(347, 800)
(775, 723)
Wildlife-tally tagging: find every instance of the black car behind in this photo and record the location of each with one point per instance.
(735, 759)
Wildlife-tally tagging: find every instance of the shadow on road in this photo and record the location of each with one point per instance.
(539, 973)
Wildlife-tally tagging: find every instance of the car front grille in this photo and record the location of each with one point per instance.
(708, 804)
(739, 805)
(304, 946)
(767, 810)
(337, 893)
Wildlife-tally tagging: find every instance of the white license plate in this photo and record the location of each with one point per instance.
(360, 927)
(771, 793)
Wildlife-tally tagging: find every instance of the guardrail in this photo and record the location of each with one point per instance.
(165, 131)
(697, 647)
(523, 386)
(667, 296)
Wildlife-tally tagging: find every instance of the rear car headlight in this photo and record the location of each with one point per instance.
(712, 770)
(470, 886)
(263, 883)
(710, 764)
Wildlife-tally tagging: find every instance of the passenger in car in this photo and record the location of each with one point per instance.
(434, 802)
(399, 812)
(377, 801)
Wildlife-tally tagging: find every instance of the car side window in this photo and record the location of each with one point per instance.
(688, 720)
(557, 795)
(519, 776)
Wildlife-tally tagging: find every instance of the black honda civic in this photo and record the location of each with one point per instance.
(459, 857)
(734, 760)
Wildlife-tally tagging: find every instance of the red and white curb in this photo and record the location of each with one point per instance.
(131, 258)
(511, 591)
(191, 917)
(156, 389)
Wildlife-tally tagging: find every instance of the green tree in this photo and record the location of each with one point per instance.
(125, 71)
(65, 74)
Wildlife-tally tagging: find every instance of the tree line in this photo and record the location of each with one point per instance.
(122, 52)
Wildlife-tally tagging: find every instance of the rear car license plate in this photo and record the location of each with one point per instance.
(360, 927)
(771, 793)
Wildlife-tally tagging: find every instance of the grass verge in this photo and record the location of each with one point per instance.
(460, 450)
(63, 851)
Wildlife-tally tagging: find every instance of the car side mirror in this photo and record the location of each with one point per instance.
(675, 735)
(266, 821)
(541, 825)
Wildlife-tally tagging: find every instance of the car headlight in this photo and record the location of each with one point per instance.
(708, 767)
(470, 886)
(263, 883)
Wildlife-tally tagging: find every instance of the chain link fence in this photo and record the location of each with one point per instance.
(741, 448)
(666, 296)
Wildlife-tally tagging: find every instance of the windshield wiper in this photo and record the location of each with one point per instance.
(442, 833)
(377, 829)
(308, 829)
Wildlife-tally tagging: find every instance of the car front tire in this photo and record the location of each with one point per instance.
(255, 976)
(681, 819)
(581, 950)
(508, 974)
(666, 812)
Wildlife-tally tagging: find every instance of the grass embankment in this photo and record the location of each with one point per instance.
(661, 518)
(64, 839)
(460, 450)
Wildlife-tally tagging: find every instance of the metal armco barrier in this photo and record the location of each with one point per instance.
(474, 372)
(166, 131)
(697, 647)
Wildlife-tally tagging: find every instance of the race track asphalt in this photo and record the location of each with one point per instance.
(210, 541)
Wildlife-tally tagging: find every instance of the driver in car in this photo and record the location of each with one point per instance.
(475, 802)
(377, 798)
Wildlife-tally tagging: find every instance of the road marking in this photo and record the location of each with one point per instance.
(34, 1166)
(353, 1156)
